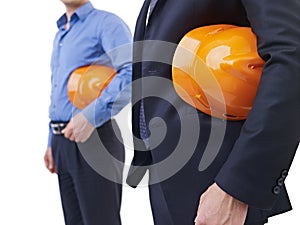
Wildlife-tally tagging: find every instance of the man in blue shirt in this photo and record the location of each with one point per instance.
(87, 36)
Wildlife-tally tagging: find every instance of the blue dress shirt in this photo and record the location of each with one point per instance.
(94, 37)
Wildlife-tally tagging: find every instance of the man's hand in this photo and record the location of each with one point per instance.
(49, 162)
(216, 207)
(78, 129)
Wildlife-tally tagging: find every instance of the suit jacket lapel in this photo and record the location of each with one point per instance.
(139, 34)
(157, 6)
(141, 22)
(152, 6)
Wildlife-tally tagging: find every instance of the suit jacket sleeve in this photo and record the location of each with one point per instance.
(258, 164)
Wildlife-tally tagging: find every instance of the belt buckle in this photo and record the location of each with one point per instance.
(57, 128)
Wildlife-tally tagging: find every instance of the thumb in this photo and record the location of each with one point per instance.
(50, 164)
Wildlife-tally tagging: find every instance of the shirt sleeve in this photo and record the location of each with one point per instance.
(49, 136)
(262, 155)
(116, 40)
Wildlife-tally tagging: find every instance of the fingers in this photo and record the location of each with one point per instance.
(80, 137)
(218, 207)
(51, 168)
(70, 135)
(84, 135)
(49, 162)
(78, 129)
(200, 217)
(200, 221)
(68, 132)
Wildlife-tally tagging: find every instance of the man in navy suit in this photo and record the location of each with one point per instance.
(244, 184)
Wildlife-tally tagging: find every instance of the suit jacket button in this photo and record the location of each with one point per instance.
(276, 190)
(284, 173)
(280, 181)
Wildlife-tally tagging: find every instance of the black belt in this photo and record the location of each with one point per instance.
(57, 127)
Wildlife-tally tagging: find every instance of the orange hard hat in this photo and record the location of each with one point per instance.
(217, 70)
(87, 83)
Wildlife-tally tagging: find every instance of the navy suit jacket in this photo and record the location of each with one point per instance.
(255, 154)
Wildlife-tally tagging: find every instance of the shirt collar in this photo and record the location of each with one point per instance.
(82, 12)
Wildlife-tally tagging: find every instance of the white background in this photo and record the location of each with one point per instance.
(28, 193)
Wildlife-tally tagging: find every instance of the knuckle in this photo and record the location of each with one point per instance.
(200, 221)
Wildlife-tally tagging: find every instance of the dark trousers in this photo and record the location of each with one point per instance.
(87, 197)
(162, 211)
(174, 201)
(258, 223)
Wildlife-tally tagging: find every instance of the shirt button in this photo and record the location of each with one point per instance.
(60, 44)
